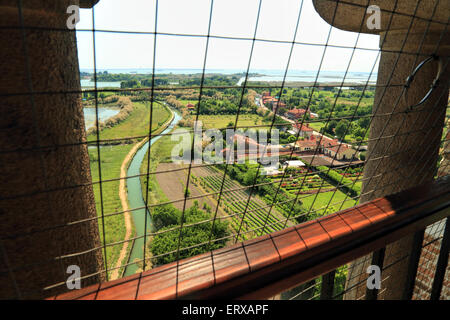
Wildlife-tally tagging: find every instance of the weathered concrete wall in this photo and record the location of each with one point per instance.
(403, 147)
(42, 187)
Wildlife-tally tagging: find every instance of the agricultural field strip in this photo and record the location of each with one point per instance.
(236, 201)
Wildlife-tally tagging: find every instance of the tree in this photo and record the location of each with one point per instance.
(163, 216)
(364, 122)
(331, 126)
(341, 129)
(362, 156)
(191, 236)
(359, 133)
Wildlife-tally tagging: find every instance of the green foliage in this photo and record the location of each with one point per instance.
(130, 84)
(362, 156)
(330, 127)
(343, 182)
(342, 129)
(246, 175)
(167, 217)
(339, 281)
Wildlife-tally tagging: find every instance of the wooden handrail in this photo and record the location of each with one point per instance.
(273, 263)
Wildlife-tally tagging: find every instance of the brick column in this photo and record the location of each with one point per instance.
(43, 184)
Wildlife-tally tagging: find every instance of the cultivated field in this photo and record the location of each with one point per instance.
(256, 216)
(173, 184)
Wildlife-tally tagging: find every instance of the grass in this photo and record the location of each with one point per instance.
(322, 200)
(162, 149)
(111, 160)
(316, 125)
(137, 123)
(186, 102)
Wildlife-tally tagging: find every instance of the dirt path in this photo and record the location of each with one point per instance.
(124, 202)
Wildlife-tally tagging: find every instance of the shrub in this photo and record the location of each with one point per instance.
(126, 107)
(344, 183)
(190, 235)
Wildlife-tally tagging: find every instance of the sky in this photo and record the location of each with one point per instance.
(230, 18)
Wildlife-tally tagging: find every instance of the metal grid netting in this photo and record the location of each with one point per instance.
(225, 188)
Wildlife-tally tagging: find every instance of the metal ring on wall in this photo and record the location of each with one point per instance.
(434, 84)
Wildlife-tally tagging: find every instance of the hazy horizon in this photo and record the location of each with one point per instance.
(124, 37)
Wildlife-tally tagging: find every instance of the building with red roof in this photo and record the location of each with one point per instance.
(305, 131)
(295, 114)
(327, 146)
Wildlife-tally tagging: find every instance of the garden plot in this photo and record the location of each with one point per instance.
(234, 203)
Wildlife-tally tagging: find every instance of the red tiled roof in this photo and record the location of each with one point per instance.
(269, 99)
(296, 112)
(328, 141)
(302, 127)
(248, 140)
(338, 148)
(306, 143)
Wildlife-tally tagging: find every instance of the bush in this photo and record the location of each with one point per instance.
(343, 182)
(167, 217)
(126, 107)
(362, 156)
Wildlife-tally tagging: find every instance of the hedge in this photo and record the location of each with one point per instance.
(343, 182)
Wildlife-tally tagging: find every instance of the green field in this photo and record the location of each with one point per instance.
(111, 158)
(256, 221)
(186, 102)
(317, 206)
(137, 122)
(316, 125)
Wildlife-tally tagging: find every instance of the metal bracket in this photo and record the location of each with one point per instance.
(433, 86)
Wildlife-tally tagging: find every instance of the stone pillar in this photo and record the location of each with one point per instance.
(44, 170)
(409, 156)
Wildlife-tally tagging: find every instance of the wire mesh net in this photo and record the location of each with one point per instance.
(152, 211)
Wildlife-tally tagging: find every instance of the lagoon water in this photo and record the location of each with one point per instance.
(103, 114)
(310, 76)
(263, 75)
(87, 83)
